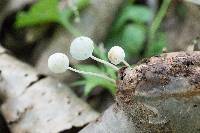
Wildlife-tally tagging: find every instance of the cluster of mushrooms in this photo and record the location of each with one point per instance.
(81, 49)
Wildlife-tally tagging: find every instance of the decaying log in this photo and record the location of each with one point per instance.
(161, 94)
(35, 103)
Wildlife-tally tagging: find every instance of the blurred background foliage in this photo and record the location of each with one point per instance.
(135, 25)
(136, 28)
(48, 11)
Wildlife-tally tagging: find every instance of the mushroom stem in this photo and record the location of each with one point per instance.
(125, 63)
(105, 62)
(92, 74)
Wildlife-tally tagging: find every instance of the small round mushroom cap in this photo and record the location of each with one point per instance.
(58, 63)
(81, 48)
(116, 55)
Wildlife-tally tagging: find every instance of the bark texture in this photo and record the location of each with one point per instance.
(160, 94)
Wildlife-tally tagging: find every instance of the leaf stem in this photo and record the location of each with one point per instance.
(158, 19)
(71, 28)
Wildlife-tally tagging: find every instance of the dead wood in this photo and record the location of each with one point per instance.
(160, 94)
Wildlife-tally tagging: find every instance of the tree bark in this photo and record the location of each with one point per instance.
(162, 94)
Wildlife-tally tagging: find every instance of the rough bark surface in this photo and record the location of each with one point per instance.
(160, 94)
(35, 103)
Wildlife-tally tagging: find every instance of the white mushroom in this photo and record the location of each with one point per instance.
(116, 55)
(58, 63)
(82, 48)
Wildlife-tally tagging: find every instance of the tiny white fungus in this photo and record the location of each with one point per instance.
(81, 48)
(116, 55)
(58, 63)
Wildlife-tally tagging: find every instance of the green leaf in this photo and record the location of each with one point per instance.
(158, 44)
(91, 82)
(138, 14)
(45, 11)
(89, 86)
(41, 12)
(82, 3)
(94, 82)
(133, 37)
(78, 83)
(91, 68)
(100, 52)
